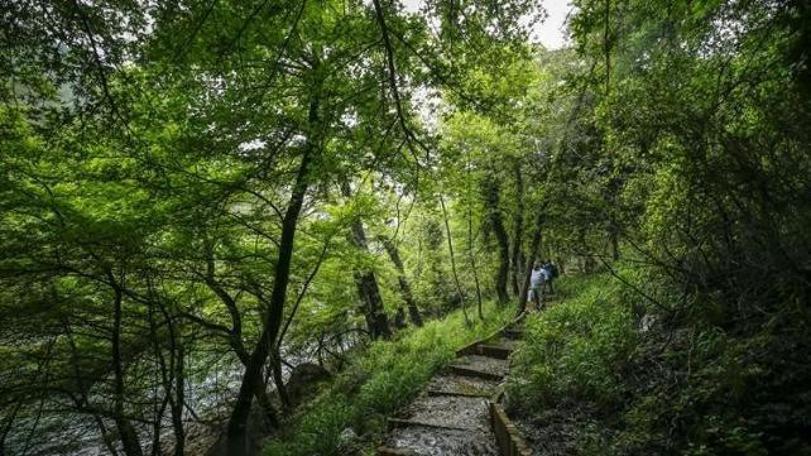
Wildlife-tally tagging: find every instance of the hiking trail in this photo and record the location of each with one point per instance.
(457, 412)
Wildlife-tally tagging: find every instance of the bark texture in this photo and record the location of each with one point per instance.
(491, 194)
(366, 281)
(402, 280)
(518, 229)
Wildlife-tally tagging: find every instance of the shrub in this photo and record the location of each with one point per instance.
(572, 348)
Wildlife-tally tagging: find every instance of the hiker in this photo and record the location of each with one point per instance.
(551, 274)
(536, 284)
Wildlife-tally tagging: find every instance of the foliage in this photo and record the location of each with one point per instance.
(199, 190)
(576, 347)
(659, 388)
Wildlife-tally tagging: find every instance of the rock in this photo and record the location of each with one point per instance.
(647, 323)
(302, 378)
(347, 435)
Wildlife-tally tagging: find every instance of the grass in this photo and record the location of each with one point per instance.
(350, 414)
(587, 381)
(572, 348)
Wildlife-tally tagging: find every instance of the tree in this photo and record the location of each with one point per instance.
(162, 196)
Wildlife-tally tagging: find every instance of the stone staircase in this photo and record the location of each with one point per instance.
(457, 413)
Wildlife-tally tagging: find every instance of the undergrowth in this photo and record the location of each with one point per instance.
(593, 377)
(348, 417)
(572, 348)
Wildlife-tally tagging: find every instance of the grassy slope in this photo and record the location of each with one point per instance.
(378, 381)
(572, 348)
(588, 382)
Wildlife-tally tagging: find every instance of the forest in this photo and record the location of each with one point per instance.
(273, 227)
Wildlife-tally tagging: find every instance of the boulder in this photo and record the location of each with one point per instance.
(302, 379)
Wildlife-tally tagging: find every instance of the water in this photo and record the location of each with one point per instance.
(212, 383)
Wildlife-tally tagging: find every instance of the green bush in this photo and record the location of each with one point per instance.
(573, 348)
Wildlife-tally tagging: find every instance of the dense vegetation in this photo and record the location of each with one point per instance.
(273, 221)
(589, 381)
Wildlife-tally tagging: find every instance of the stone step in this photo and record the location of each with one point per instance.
(461, 385)
(503, 342)
(481, 366)
(453, 393)
(417, 440)
(448, 411)
(454, 414)
(395, 423)
(494, 351)
(386, 451)
(513, 333)
(461, 370)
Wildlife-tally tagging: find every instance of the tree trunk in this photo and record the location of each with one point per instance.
(278, 379)
(607, 47)
(470, 248)
(235, 340)
(369, 292)
(613, 237)
(613, 232)
(179, 400)
(82, 400)
(366, 281)
(588, 264)
(402, 280)
(472, 256)
(126, 431)
(490, 192)
(518, 231)
(166, 379)
(237, 433)
(7, 427)
(399, 318)
(453, 259)
(177, 363)
(534, 249)
(561, 263)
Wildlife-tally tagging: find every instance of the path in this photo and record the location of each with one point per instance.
(452, 415)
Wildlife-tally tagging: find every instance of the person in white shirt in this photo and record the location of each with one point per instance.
(536, 283)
